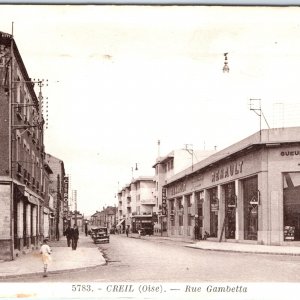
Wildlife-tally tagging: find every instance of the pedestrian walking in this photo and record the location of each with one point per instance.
(127, 230)
(67, 233)
(46, 258)
(86, 229)
(74, 236)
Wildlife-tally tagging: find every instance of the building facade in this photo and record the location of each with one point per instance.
(24, 175)
(105, 218)
(248, 192)
(165, 168)
(58, 190)
(136, 204)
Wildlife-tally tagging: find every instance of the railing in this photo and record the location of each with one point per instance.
(28, 178)
(25, 176)
(19, 112)
(19, 169)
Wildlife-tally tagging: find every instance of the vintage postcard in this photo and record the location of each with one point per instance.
(149, 151)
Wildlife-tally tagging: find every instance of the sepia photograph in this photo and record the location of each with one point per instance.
(149, 151)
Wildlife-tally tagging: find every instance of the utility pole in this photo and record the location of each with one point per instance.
(10, 124)
(191, 152)
(75, 200)
(257, 109)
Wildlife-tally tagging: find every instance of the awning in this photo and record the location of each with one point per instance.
(120, 222)
(19, 191)
(31, 198)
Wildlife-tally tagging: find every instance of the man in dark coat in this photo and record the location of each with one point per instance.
(75, 236)
(67, 233)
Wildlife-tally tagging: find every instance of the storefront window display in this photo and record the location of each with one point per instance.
(251, 202)
(199, 208)
(291, 206)
(230, 205)
(180, 212)
(214, 210)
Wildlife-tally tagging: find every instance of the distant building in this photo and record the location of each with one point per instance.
(105, 218)
(135, 204)
(24, 174)
(57, 190)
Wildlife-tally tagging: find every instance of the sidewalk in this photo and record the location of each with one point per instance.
(87, 255)
(226, 246)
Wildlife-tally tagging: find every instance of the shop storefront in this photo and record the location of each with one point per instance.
(248, 192)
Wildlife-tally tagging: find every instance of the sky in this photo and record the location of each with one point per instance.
(120, 78)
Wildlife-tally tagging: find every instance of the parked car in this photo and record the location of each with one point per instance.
(100, 234)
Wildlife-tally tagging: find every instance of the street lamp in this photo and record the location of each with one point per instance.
(135, 169)
(226, 67)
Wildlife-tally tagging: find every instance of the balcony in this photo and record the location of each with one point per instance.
(25, 176)
(28, 178)
(149, 201)
(34, 137)
(33, 182)
(19, 112)
(19, 169)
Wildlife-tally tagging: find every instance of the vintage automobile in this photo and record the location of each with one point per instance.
(100, 234)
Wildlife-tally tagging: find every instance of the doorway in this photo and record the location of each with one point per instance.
(214, 211)
(250, 194)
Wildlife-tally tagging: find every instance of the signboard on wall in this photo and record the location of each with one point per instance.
(66, 195)
(164, 202)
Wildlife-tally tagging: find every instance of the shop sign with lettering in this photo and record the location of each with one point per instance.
(198, 180)
(178, 187)
(290, 153)
(66, 188)
(164, 202)
(227, 171)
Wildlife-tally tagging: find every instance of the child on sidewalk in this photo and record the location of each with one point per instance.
(45, 251)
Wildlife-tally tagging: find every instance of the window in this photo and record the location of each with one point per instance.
(230, 203)
(214, 210)
(250, 195)
(291, 206)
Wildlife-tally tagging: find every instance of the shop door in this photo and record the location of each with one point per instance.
(16, 241)
(24, 225)
(214, 209)
(230, 204)
(291, 206)
(250, 208)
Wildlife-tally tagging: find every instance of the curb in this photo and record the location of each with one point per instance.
(162, 239)
(265, 252)
(51, 272)
(245, 251)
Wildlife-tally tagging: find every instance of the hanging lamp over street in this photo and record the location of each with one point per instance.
(226, 68)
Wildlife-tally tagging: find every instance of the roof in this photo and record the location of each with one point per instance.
(163, 159)
(267, 137)
(8, 40)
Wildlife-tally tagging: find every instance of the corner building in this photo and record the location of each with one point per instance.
(248, 192)
(24, 175)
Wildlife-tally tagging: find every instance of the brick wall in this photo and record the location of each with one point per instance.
(4, 211)
(4, 122)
